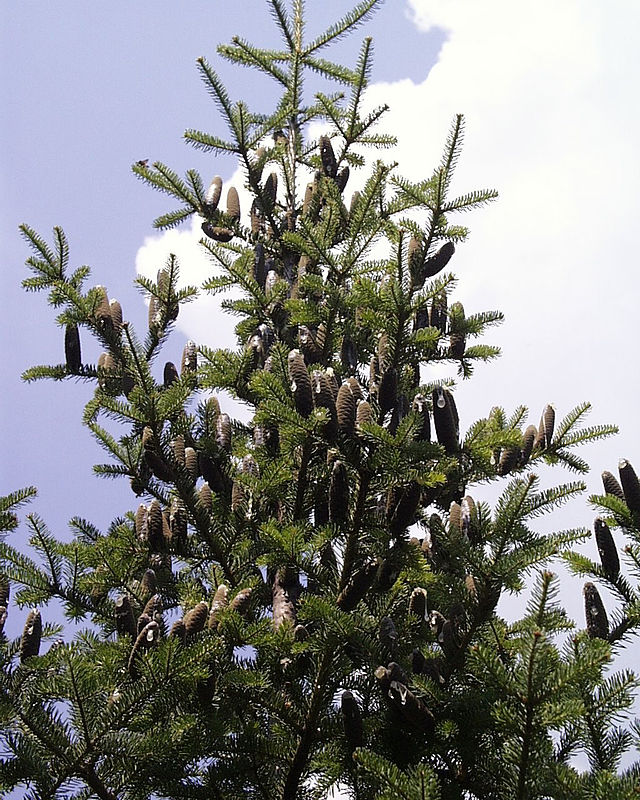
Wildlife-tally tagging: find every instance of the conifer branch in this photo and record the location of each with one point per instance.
(336, 31)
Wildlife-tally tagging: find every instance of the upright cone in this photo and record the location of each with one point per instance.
(352, 719)
(31, 635)
(597, 622)
(607, 549)
(630, 486)
(300, 384)
(445, 417)
(72, 353)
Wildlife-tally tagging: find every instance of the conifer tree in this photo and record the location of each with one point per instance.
(310, 598)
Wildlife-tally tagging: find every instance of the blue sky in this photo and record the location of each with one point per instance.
(550, 95)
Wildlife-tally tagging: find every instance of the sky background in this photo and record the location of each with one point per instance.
(549, 92)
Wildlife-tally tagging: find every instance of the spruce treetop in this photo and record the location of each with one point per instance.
(308, 599)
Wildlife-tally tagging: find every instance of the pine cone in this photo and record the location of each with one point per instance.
(509, 459)
(597, 622)
(449, 639)
(455, 519)
(445, 417)
(217, 232)
(177, 445)
(431, 667)
(167, 533)
(72, 352)
(271, 189)
(388, 391)
(108, 374)
(195, 619)
(220, 602)
(237, 496)
(286, 589)
(170, 375)
(142, 523)
(223, 432)
(342, 177)
(300, 384)
(355, 388)
(607, 549)
(312, 342)
(205, 497)
(630, 486)
(439, 260)
(148, 584)
(153, 608)
(363, 413)
(191, 463)
(414, 261)
(179, 631)
(256, 216)
(418, 603)
(401, 508)
(349, 355)
(436, 623)
(154, 315)
(438, 314)
(611, 485)
(242, 601)
(469, 522)
(212, 196)
(545, 429)
(153, 458)
(125, 619)
(147, 637)
(189, 359)
(178, 522)
(233, 204)
(116, 314)
(346, 409)
(103, 311)
(352, 719)
(308, 197)
(143, 620)
(411, 709)
(386, 575)
(357, 587)
(421, 319)
(528, 441)
(339, 494)
(328, 158)
(154, 521)
(31, 635)
(267, 436)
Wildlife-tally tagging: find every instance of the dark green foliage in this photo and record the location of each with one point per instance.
(310, 597)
